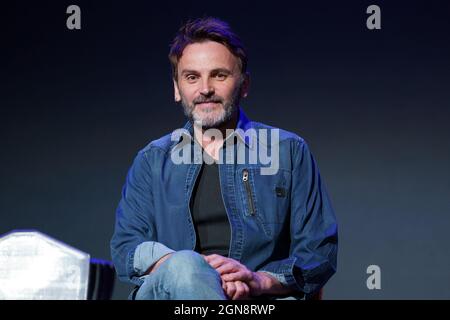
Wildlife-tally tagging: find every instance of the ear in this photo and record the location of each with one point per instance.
(177, 95)
(245, 85)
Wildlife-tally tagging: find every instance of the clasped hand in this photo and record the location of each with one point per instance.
(238, 282)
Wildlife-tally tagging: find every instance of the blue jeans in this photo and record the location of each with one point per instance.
(185, 275)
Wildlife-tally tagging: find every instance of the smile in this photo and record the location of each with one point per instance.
(206, 105)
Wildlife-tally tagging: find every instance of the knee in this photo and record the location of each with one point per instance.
(187, 262)
(186, 274)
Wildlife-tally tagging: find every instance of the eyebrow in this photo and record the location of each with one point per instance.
(221, 70)
(188, 71)
(214, 71)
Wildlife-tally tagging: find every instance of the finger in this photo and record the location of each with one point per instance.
(237, 276)
(228, 267)
(207, 258)
(242, 275)
(226, 290)
(217, 261)
(240, 290)
(246, 290)
(224, 286)
(231, 289)
(211, 256)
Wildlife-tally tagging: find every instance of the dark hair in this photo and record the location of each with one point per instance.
(204, 29)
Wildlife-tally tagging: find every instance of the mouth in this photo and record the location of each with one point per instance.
(208, 104)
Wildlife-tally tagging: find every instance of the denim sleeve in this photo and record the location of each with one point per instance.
(147, 253)
(134, 223)
(313, 229)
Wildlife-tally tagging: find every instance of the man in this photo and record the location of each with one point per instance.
(222, 227)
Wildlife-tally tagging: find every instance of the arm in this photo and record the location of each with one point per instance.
(149, 255)
(253, 283)
(270, 285)
(313, 229)
(134, 248)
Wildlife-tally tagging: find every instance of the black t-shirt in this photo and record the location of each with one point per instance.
(211, 222)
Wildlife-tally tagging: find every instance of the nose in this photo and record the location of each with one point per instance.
(206, 89)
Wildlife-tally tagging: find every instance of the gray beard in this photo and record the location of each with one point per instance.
(229, 109)
(209, 123)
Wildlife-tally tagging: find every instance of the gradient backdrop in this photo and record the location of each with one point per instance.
(76, 106)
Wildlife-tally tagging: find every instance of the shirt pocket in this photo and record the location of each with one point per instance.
(265, 197)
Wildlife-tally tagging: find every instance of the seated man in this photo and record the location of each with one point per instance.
(205, 212)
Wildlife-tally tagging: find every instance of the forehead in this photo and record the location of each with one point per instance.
(207, 55)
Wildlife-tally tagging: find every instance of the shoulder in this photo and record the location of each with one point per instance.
(284, 136)
(160, 145)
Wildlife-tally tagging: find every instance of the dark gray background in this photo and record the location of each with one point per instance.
(76, 106)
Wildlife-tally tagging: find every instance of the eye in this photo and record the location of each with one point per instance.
(191, 77)
(221, 76)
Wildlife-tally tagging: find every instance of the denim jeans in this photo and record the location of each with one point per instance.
(185, 275)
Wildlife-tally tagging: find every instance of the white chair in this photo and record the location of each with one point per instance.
(34, 266)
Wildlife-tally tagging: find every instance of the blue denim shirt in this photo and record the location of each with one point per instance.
(281, 223)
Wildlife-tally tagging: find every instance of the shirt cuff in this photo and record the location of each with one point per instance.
(147, 254)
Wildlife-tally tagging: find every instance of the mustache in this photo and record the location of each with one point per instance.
(203, 99)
